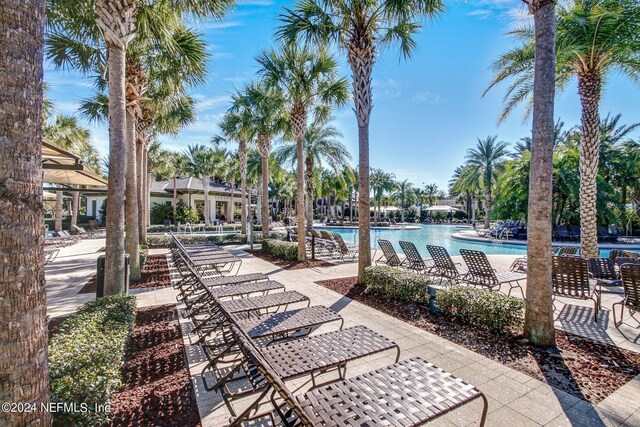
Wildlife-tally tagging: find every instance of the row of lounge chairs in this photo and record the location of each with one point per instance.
(609, 233)
(573, 276)
(63, 238)
(255, 342)
(325, 243)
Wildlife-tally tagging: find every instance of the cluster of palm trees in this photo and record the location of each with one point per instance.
(143, 59)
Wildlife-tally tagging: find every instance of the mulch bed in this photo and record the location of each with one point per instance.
(157, 386)
(155, 273)
(291, 265)
(579, 366)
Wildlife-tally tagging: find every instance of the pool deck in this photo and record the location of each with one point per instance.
(515, 399)
(473, 236)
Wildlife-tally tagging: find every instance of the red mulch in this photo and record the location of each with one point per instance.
(157, 386)
(579, 366)
(155, 273)
(291, 265)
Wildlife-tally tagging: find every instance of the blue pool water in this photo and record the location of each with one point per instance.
(438, 235)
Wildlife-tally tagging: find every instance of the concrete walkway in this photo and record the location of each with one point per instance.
(515, 399)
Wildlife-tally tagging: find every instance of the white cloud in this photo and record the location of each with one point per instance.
(426, 96)
(481, 13)
(221, 25)
(208, 103)
(388, 88)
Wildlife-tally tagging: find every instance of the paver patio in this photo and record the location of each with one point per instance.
(515, 399)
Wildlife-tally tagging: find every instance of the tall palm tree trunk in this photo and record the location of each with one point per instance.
(487, 202)
(308, 180)
(116, 21)
(114, 253)
(539, 304)
(589, 89)
(131, 242)
(242, 156)
(23, 319)
(264, 147)
(299, 123)
(361, 57)
(207, 210)
(233, 207)
(174, 200)
(75, 206)
(140, 193)
(57, 224)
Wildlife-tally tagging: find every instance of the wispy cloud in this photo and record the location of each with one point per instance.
(506, 10)
(210, 103)
(426, 96)
(255, 2)
(388, 88)
(481, 13)
(222, 25)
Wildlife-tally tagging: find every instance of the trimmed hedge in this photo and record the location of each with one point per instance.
(165, 241)
(398, 284)
(280, 249)
(144, 254)
(481, 308)
(85, 357)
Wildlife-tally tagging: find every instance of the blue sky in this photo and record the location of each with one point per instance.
(427, 111)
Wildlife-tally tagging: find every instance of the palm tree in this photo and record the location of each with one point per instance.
(361, 29)
(320, 146)
(381, 182)
(23, 343)
(539, 303)
(103, 30)
(236, 126)
(307, 78)
(467, 180)
(594, 39)
(405, 195)
(263, 106)
(201, 164)
(486, 159)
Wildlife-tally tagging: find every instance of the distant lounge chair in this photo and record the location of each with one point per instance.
(389, 255)
(567, 251)
(563, 233)
(414, 260)
(482, 274)
(603, 233)
(344, 249)
(604, 271)
(615, 232)
(575, 232)
(444, 267)
(570, 279)
(631, 283)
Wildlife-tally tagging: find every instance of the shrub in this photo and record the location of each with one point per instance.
(144, 254)
(484, 309)
(280, 249)
(162, 211)
(86, 355)
(398, 284)
(226, 239)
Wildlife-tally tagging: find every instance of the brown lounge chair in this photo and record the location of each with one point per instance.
(408, 393)
(444, 267)
(631, 283)
(389, 255)
(414, 260)
(482, 274)
(571, 279)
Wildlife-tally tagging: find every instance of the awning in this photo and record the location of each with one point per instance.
(62, 167)
(386, 208)
(445, 208)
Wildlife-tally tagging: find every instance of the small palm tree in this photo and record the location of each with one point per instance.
(594, 39)
(466, 179)
(202, 165)
(263, 106)
(381, 182)
(308, 78)
(405, 195)
(361, 29)
(486, 159)
(320, 146)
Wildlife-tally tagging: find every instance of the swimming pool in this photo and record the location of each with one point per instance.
(439, 235)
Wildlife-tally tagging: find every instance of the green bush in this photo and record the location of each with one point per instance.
(85, 357)
(144, 254)
(398, 284)
(161, 212)
(226, 239)
(280, 249)
(483, 309)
